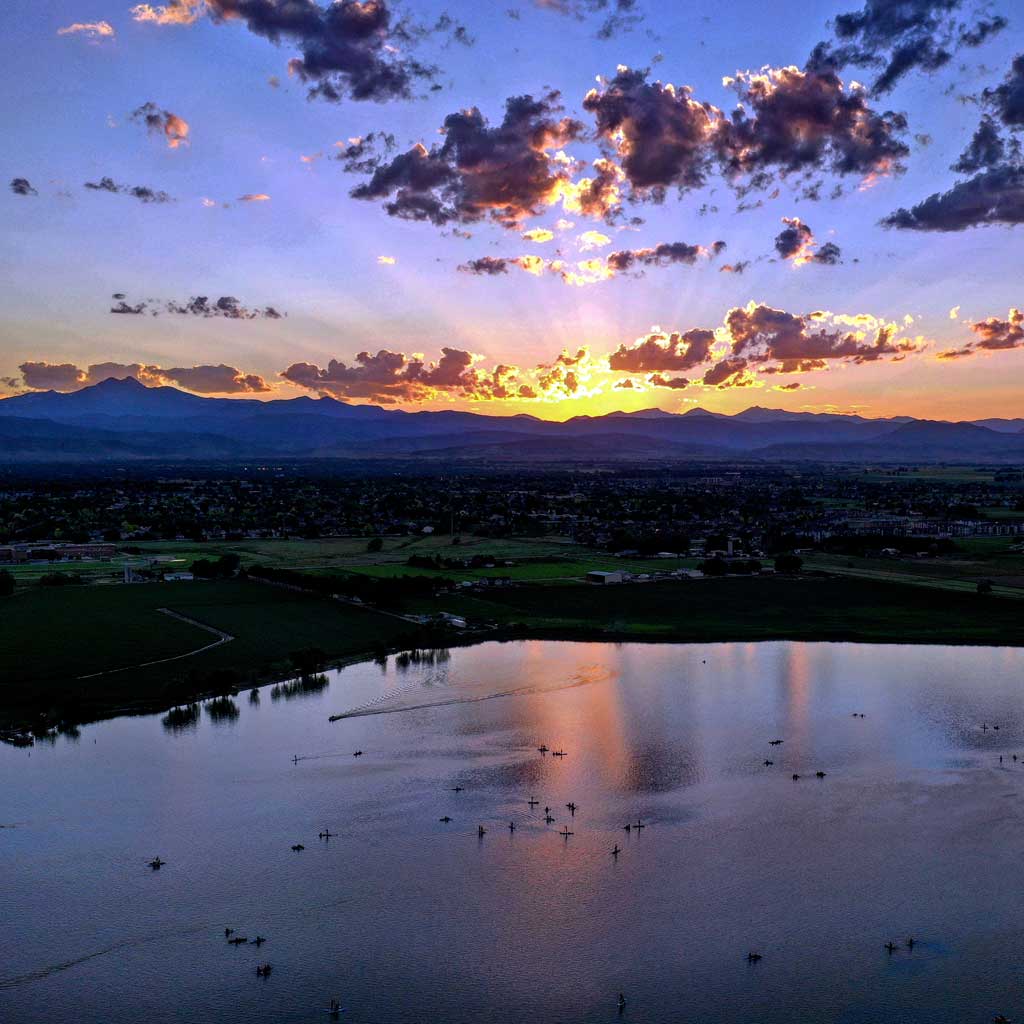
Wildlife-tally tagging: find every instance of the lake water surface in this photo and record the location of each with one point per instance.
(916, 830)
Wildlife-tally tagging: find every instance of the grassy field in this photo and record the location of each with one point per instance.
(980, 558)
(52, 637)
(751, 608)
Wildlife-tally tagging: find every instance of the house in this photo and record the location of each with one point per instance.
(603, 577)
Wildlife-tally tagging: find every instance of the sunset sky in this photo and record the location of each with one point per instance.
(519, 206)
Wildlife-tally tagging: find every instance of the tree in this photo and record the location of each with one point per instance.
(6, 583)
(788, 563)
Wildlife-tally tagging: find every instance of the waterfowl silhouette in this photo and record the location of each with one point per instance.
(616, 851)
(228, 932)
(263, 970)
(549, 819)
(752, 958)
(297, 847)
(558, 753)
(238, 940)
(532, 802)
(295, 759)
(456, 789)
(326, 834)
(511, 826)
(1014, 756)
(891, 948)
(543, 749)
(357, 753)
(481, 831)
(796, 778)
(910, 942)
(258, 941)
(622, 1002)
(445, 819)
(1000, 1019)
(819, 775)
(547, 810)
(156, 863)
(775, 743)
(639, 825)
(768, 763)
(627, 826)
(565, 833)
(335, 1008)
(572, 808)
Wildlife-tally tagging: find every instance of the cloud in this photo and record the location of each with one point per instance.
(226, 307)
(792, 121)
(175, 12)
(592, 240)
(22, 187)
(986, 149)
(504, 172)
(362, 154)
(734, 268)
(538, 235)
(787, 122)
(796, 244)
(225, 380)
(993, 334)
(162, 122)
(954, 313)
(143, 193)
(899, 37)
(1007, 100)
(581, 273)
(657, 351)
(661, 135)
(92, 30)
(254, 197)
(619, 15)
(391, 377)
(993, 196)
(41, 376)
(387, 260)
(348, 49)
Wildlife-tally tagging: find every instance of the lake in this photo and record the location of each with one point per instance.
(916, 829)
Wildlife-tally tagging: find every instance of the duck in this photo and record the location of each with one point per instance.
(616, 851)
(156, 863)
(481, 831)
(238, 940)
(456, 789)
(263, 970)
(357, 753)
(297, 847)
(542, 749)
(548, 819)
(622, 1002)
(445, 819)
(565, 833)
(775, 743)
(258, 941)
(910, 942)
(572, 807)
(796, 778)
(228, 932)
(891, 947)
(768, 763)
(752, 958)
(819, 775)
(326, 834)
(639, 825)
(511, 826)
(532, 802)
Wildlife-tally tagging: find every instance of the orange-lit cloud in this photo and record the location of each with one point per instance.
(93, 30)
(175, 12)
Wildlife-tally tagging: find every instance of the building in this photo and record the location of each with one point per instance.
(602, 577)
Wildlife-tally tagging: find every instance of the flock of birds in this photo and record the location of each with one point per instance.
(263, 970)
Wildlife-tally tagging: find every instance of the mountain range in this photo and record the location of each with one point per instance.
(125, 420)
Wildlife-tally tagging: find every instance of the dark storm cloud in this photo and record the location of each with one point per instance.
(349, 48)
(22, 187)
(505, 171)
(364, 155)
(993, 196)
(796, 244)
(143, 193)
(227, 307)
(900, 36)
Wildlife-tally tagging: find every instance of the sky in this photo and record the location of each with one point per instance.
(552, 207)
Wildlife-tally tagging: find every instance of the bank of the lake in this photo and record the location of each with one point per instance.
(79, 653)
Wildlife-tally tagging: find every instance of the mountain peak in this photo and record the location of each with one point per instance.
(123, 385)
